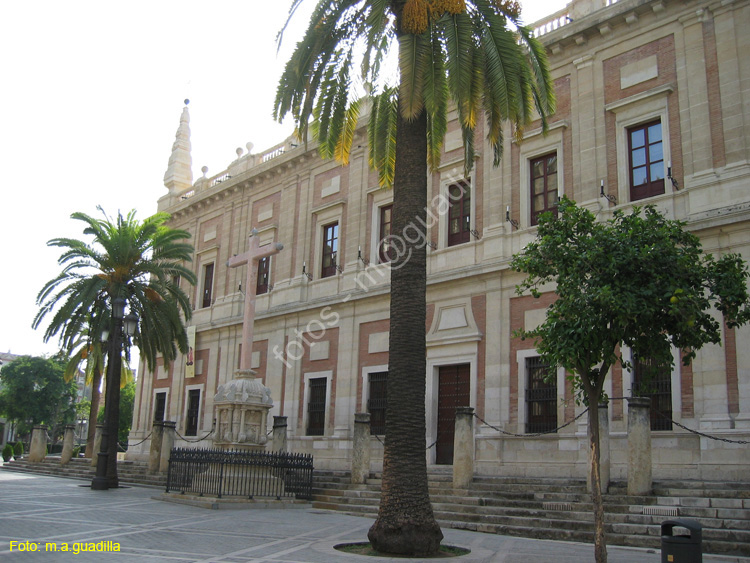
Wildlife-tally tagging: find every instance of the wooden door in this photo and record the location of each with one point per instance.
(453, 391)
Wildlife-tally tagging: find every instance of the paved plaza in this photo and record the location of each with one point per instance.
(53, 512)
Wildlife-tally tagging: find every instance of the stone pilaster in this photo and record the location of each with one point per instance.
(38, 450)
(68, 438)
(639, 446)
(154, 456)
(167, 442)
(463, 448)
(361, 448)
(279, 434)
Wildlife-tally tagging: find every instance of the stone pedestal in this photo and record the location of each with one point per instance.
(167, 443)
(68, 439)
(639, 446)
(242, 406)
(38, 450)
(361, 448)
(97, 444)
(154, 455)
(604, 458)
(463, 448)
(279, 434)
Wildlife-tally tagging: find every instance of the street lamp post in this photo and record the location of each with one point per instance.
(106, 465)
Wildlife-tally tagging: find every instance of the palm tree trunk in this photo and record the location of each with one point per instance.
(406, 524)
(93, 412)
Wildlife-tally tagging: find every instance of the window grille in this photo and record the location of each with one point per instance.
(377, 402)
(316, 407)
(541, 397)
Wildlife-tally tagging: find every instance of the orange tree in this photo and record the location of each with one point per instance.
(638, 279)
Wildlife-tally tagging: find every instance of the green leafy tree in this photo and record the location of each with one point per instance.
(474, 53)
(139, 261)
(638, 279)
(33, 392)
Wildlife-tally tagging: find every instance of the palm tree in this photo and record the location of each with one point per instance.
(475, 53)
(138, 261)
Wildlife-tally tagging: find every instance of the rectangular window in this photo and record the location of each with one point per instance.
(646, 156)
(176, 280)
(316, 407)
(655, 382)
(330, 250)
(543, 186)
(541, 397)
(459, 216)
(193, 412)
(385, 246)
(208, 283)
(377, 401)
(261, 286)
(160, 406)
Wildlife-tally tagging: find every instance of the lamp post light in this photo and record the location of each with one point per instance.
(106, 465)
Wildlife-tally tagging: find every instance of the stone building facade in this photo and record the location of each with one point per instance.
(653, 108)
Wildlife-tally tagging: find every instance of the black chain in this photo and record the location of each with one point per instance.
(193, 441)
(427, 448)
(139, 443)
(701, 433)
(530, 435)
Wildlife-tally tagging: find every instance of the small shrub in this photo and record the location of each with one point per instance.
(18, 449)
(7, 452)
(76, 451)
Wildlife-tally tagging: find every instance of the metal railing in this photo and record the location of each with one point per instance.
(240, 473)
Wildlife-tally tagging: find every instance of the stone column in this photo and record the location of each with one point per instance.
(604, 463)
(38, 449)
(97, 444)
(67, 451)
(279, 434)
(463, 448)
(167, 442)
(361, 448)
(154, 454)
(639, 446)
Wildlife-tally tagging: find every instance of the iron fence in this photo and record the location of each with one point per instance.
(240, 473)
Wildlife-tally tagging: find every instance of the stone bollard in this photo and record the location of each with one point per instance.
(361, 448)
(38, 449)
(639, 446)
(154, 454)
(463, 448)
(68, 439)
(167, 442)
(279, 434)
(97, 444)
(604, 463)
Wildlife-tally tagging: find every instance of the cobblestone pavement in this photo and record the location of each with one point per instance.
(54, 513)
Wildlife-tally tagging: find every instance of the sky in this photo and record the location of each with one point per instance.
(91, 94)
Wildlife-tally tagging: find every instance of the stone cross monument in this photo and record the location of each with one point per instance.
(251, 258)
(242, 404)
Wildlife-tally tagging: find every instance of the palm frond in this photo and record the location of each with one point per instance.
(411, 66)
(381, 135)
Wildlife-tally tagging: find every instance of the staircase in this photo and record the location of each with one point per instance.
(561, 509)
(557, 509)
(128, 472)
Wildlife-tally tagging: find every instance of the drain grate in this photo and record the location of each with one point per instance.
(559, 506)
(660, 510)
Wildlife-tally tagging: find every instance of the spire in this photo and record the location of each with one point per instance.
(179, 174)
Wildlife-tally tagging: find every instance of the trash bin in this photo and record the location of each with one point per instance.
(685, 548)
